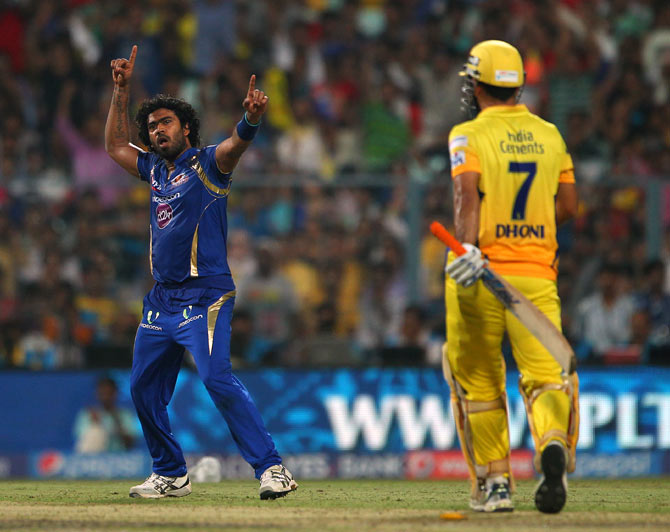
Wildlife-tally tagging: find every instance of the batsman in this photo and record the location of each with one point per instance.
(513, 183)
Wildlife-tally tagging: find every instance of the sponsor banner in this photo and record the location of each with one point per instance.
(415, 465)
(451, 464)
(56, 464)
(318, 465)
(621, 465)
(350, 412)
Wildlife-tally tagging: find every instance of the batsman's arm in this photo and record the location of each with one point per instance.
(466, 206)
(566, 202)
(117, 131)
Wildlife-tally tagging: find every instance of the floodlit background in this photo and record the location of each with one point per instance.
(339, 312)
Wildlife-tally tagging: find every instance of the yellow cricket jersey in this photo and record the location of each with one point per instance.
(521, 160)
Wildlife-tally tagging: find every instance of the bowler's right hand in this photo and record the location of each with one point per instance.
(122, 69)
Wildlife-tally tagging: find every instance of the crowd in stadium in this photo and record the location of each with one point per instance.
(362, 97)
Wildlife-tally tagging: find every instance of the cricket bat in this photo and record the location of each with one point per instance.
(528, 314)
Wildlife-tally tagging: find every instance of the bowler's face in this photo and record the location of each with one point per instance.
(167, 136)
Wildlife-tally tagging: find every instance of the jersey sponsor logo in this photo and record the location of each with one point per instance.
(155, 185)
(179, 180)
(187, 312)
(163, 215)
(519, 231)
(150, 319)
(457, 158)
(507, 76)
(165, 199)
(189, 320)
(152, 327)
(521, 142)
(458, 142)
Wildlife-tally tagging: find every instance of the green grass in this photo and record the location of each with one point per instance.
(333, 505)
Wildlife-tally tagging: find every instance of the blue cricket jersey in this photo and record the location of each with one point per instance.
(188, 217)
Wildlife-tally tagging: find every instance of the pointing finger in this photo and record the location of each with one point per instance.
(252, 83)
(133, 53)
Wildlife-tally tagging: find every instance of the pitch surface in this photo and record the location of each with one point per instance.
(335, 505)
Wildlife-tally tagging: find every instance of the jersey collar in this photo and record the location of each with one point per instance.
(504, 109)
(186, 155)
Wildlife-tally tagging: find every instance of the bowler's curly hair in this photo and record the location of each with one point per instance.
(181, 108)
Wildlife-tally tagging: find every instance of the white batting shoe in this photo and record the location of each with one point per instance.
(157, 487)
(276, 481)
(498, 495)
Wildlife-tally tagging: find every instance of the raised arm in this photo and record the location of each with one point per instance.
(117, 135)
(229, 151)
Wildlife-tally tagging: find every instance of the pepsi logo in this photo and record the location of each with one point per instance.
(49, 463)
(163, 215)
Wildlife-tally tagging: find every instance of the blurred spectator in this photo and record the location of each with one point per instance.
(383, 301)
(91, 165)
(356, 88)
(272, 303)
(603, 319)
(654, 304)
(247, 349)
(301, 148)
(324, 347)
(105, 427)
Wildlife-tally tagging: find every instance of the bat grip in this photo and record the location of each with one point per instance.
(447, 238)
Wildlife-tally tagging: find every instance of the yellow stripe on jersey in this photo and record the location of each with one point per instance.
(521, 160)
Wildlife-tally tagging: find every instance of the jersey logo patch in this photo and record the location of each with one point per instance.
(458, 142)
(155, 185)
(457, 158)
(179, 180)
(507, 76)
(163, 215)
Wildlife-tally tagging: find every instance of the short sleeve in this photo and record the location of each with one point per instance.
(145, 162)
(567, 174)
(462, 152)
(207, 159)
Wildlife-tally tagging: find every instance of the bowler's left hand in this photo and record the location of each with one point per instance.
(469, 267)
(255, 103)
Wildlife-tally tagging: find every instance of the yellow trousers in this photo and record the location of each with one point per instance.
(476, 323)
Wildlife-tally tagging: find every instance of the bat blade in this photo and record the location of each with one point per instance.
(533, 319)
(523, 309)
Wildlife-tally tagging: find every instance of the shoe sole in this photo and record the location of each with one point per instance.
(269, 495)
(181, 492)
(506, 507)
(551, 493)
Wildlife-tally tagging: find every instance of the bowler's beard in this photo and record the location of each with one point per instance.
(172, 149)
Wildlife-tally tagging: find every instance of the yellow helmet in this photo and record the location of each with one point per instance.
(495, 63)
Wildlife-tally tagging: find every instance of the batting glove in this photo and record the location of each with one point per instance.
(467, 268)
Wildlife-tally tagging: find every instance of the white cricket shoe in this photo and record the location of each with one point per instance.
(498, 496)
(276, 481)
(552, 491)
(157, 487)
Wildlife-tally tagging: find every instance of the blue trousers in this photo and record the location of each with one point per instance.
(197, 319)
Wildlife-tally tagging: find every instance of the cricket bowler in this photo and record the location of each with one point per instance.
(191, 304)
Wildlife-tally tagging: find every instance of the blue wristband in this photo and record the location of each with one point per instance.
(245, 129)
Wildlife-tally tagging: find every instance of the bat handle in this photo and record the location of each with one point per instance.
(447, 238)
